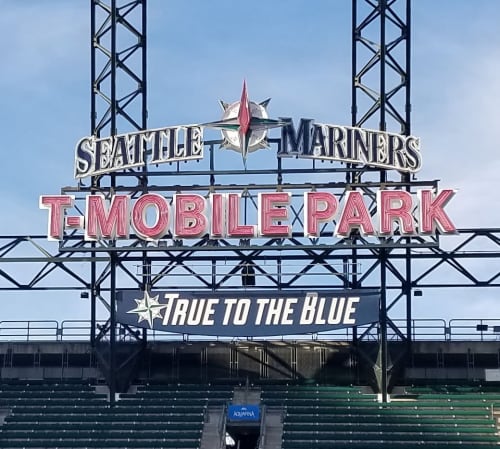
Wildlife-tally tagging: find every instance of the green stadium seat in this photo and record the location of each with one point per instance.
(73, 415)
(320, 417)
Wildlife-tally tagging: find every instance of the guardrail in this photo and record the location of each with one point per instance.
(459, 329)
(29, 330)
(471, 329)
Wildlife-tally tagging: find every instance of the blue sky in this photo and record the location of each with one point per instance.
(296, 52)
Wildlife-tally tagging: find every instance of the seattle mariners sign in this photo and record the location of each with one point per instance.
(244, 127)
(248, 313)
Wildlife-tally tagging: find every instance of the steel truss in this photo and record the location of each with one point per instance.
(118, 104)
(381, 95)
(397, 265)
(462, 265)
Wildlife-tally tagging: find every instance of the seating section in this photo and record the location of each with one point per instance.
(328, 417)
(73, 415)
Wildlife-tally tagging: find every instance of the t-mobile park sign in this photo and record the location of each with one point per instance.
(248, 313)
(152, 217)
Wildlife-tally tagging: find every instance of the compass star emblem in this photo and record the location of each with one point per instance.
(244, 124)
(148, 308)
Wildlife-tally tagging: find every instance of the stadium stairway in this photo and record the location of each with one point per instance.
(334, 417)
(73, 415)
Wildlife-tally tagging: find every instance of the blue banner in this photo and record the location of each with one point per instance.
(243, 413)
(247, 313)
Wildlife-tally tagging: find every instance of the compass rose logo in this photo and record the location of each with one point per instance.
(244, 124)
(148, 308)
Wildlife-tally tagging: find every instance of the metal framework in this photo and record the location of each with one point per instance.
(118, 104)
(398, 265)
(381, 95)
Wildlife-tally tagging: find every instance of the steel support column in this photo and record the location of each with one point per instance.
(118, 105)
(381, 99)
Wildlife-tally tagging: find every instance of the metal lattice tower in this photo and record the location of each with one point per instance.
(118, 66)
(118, 105)
(381, 99)
(381, 64)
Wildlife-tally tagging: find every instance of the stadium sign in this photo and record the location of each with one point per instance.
(243, 413)
(247, 313)
(244, 127)
(188, 215)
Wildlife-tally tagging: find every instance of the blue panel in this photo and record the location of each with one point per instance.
(243, 413)
(248, 313)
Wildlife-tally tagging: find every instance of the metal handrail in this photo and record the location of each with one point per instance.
(476, 329)
(262, 436)
(222, 427)
(479, 329)
(29, 330)
(76, 329)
